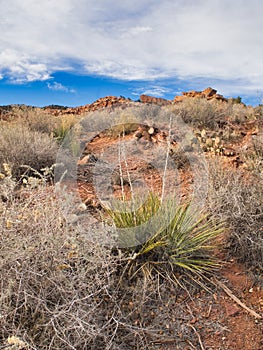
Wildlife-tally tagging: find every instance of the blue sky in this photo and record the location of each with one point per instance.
(73, 52)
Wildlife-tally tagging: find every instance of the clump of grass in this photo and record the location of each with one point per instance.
(60, 132)
(63, 126)
(21, 146)
(168, 239)
(132, 214)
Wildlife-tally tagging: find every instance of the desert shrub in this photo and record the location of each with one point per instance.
(213, 115)
(38, 120)
(238, 113)
(201, 113)
(58, 126)
(60, 132)
(165, 239)
(253, 156)
(237, 198)
(17, 111)
(20, 146)
(60, 288)
(53, 280)
(258, 110)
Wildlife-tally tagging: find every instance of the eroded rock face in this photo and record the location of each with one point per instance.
(154, 100)
(208, 94)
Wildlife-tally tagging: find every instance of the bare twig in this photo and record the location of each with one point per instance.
(238, 301)
(198, 336)
(167, 157)
(165, 341)
(209, 311)
(121, 174)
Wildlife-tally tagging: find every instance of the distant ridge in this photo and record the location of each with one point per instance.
(113, 101)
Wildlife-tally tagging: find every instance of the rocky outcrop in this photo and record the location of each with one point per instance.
(208, 94)
(101, 103)
(108, 101)
(113, 101)
(154, 100)
(6, 112)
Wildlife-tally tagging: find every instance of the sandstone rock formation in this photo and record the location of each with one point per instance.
(154, 100)
(208, 93)
(101, 103)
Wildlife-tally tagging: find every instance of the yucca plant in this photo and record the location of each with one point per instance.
(168, 239)
(132, 219)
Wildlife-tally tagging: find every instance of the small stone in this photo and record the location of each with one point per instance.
(151, 131)
(231, 310)
(203, 133)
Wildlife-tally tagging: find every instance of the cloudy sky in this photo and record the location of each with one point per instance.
(72, 52)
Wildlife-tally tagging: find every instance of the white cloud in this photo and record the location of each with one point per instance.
(152, 90)
(139, 40)
(135, 31)
(20, 68)
(55, 86)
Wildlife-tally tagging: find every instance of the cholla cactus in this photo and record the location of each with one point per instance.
(7, 171)
(7, 183)
(16, 343)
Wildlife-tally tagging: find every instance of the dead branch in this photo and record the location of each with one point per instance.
(238, 301)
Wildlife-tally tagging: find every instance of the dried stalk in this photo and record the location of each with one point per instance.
(238, 301)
